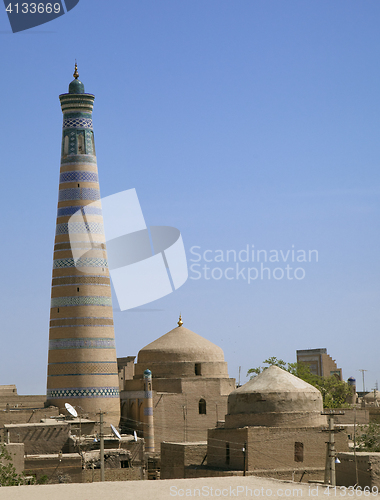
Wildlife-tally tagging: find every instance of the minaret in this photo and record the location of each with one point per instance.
(148, 412)
(82, 367)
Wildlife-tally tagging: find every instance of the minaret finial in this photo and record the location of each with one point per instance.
(180, 322)
(76, 74)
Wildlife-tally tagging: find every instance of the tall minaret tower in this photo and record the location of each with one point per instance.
(82, 367)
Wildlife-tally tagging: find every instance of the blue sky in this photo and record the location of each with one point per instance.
(239, 123)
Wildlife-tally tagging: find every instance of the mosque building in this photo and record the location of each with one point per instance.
(178, 395)
(82, 366)
(273, 427)
(190, 386)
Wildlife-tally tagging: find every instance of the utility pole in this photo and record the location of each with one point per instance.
(355, 457)
(101, 436)
(330, 477)
(245, 458)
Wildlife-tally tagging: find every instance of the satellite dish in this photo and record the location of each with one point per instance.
(135, 436)
(71, 410)
(116, 432)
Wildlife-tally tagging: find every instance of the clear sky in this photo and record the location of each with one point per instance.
(247, 122)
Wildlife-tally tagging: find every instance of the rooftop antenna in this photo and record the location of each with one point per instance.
(116, 434)
(71, 410)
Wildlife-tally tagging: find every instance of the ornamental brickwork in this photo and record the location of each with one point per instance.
(82, 366)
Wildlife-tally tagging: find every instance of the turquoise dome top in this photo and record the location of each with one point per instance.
(76, 87)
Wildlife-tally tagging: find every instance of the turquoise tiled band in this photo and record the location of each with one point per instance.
(88, 392)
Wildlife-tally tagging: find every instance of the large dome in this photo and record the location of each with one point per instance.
(182, 352)
(275, 398)
(181, 344)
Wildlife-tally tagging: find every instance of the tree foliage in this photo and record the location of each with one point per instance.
(8, 474)
(334, 391)
(369, 439)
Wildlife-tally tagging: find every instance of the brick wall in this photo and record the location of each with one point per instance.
(40, 438)
(23, 416)
(175, 457)
(368, 467)
(131, 474)
(270, 447)
(176, 414)
(68, 469)
(224, 448)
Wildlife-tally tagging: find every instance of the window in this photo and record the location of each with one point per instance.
(197, 369)
(228, 453)
(81, 144)
(66, 146)
(202, 406)
(93, 143)
(298, 452)
(78, 289)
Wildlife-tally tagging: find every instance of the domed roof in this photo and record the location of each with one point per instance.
(180, 344)
(76, 87)
(276, 380)
(372, 396)
(273, 398)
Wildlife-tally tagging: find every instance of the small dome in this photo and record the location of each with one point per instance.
(273, 398)
(180, 344)
(76, 87)
(372, 396)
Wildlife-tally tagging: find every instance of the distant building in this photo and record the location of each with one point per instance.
(320, 362)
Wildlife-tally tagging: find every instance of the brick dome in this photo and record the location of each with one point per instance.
(275, 398)
(177, 353)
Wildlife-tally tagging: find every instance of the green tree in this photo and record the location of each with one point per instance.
(270, 361)
(334, 391)
(369, 439)
(8, 474)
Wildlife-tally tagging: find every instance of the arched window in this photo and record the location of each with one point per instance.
(66, 145)
(93, 143)
(202, 406)
(81, 144)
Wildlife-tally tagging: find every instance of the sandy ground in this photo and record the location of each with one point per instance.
(215, 488)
